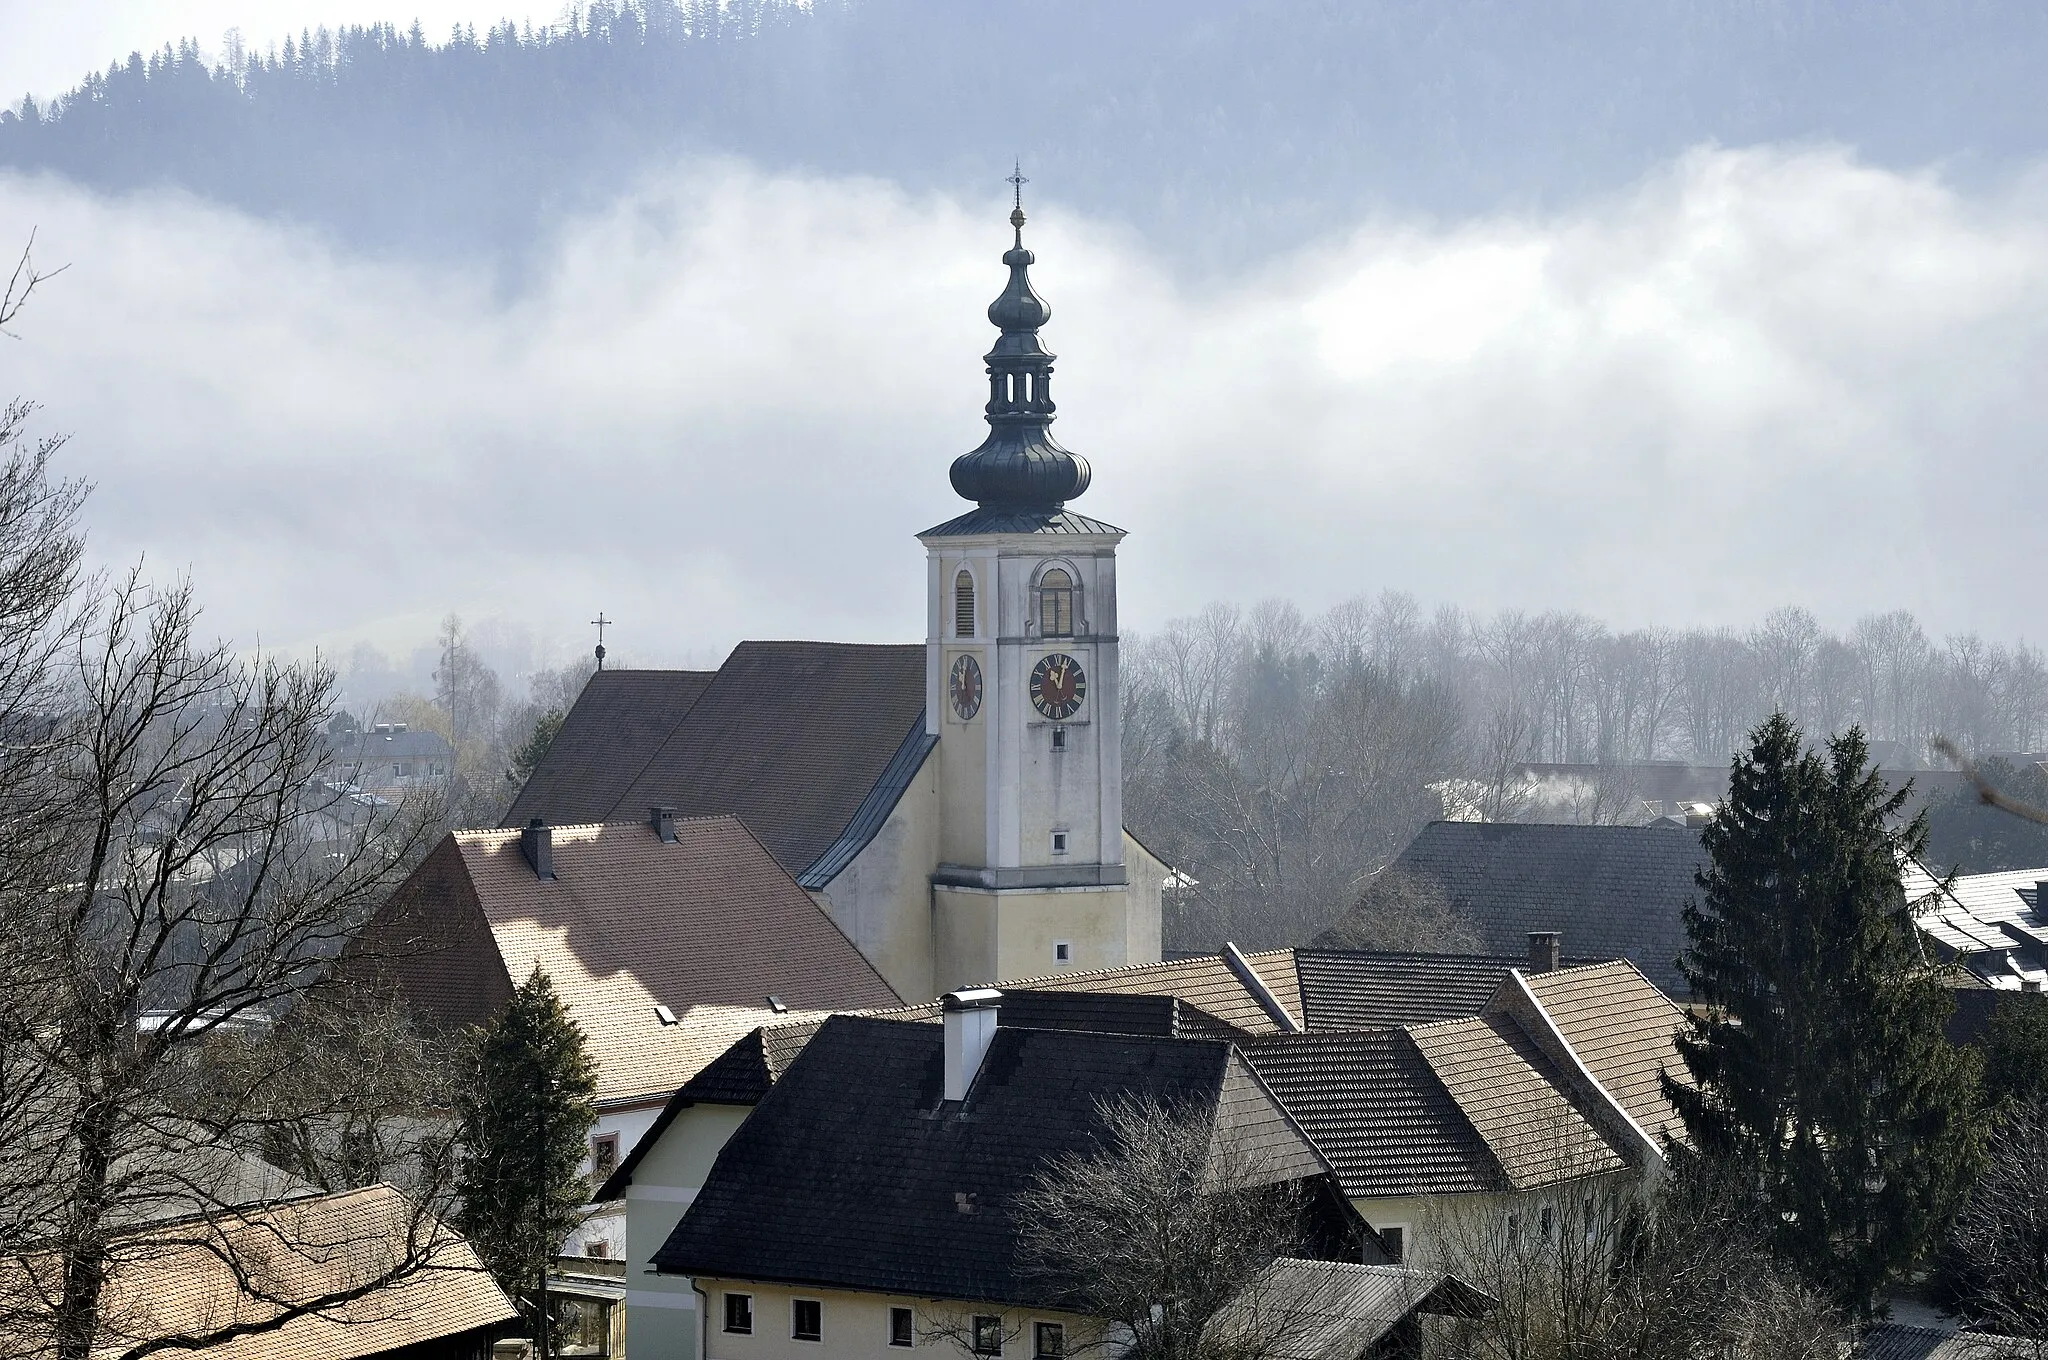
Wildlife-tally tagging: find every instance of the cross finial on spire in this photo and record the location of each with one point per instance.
(600, 621)
(1016, 180)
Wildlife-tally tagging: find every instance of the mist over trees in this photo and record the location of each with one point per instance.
(1279, 761)
(1227, 129)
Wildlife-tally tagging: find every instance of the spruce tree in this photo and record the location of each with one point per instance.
(526, 1108)
(1823, 1074)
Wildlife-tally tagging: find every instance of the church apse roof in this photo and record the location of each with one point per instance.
(796, 739)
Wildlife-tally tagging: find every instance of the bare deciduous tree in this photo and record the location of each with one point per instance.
(170, 910)
(1161, 1228)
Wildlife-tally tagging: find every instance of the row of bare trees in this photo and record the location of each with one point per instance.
(1280, 760)
(174, 881)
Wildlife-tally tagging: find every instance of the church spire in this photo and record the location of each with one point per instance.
(1019, 466)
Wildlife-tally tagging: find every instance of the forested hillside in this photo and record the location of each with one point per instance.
(1223, 129)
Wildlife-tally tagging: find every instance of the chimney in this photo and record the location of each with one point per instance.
(663, 820)
(537, 843)
(970, 1029)
(1543, 950)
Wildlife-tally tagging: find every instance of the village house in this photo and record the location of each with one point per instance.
(666, 939)
(1433, 1084)
(915, 1140)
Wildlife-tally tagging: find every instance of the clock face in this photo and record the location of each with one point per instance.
(964, 687)
(1058, 685)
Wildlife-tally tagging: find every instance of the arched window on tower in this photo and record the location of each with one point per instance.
(963, 605)
(1056, 604)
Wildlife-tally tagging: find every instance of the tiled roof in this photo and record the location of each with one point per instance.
(1614, 891)
(1362, 989)
(1892, 1341)
(178, 1282)
(1514, 1098)
(849, 1174)
(1335, 1310)
(1624, 1030)
(616, 723)
(1379, 1113)
(790, 737)
(1205, 983)
(982, 521)
(629, 922)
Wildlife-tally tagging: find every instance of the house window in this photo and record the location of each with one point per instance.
(806, 1319)
(1059, 842)
(1062, 951)
(1056, 604)
(604, 1159)
(1048, 1340)
(963, 605)
(597, 1249)
(988, 1335)
(1545, 1223)
(739, 1314)
(900, 1333)
(1393, 1241)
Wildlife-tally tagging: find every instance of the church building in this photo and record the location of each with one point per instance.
(955, 807)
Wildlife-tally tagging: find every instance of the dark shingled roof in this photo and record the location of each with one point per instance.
(1614, 891)
(756, 1061)
(616, 723)
(852, 1173)
(1379, 1113)
(1894, 1341)
(1360, 989)
(792, 738)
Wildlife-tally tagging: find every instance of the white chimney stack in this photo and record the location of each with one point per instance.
(970, 1029)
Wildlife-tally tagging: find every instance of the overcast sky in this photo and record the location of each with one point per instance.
(1757, 377)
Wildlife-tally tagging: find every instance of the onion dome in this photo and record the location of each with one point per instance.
(1019, 466)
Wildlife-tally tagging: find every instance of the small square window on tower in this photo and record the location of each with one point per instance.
(1062, 951)
(1059, 739)
(1059, 842)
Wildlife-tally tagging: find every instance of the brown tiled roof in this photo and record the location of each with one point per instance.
(629, 921)
(789, 737)
(616, 723)
(1515, 1098)
(1624, 1030)
(1379, 1113)
(1205, 983)
(175, 1281)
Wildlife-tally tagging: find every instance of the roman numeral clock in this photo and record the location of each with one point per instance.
(1058, 685)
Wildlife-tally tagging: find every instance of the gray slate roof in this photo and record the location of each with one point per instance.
(808, 743)
(1362, 989)
(616, 723)
(1377, 1111)
(853, 1173)
(1614, 891)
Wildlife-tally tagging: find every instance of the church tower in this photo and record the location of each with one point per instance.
(1022, 691)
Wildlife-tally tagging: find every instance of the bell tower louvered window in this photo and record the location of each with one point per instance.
(963, 605)
(1056, 604)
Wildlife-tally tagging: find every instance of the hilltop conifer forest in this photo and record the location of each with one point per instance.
(1224, 131)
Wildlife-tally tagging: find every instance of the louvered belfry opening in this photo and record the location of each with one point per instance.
(963, 605)
(1056, 604)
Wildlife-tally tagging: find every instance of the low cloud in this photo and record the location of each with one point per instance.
(723, 408)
